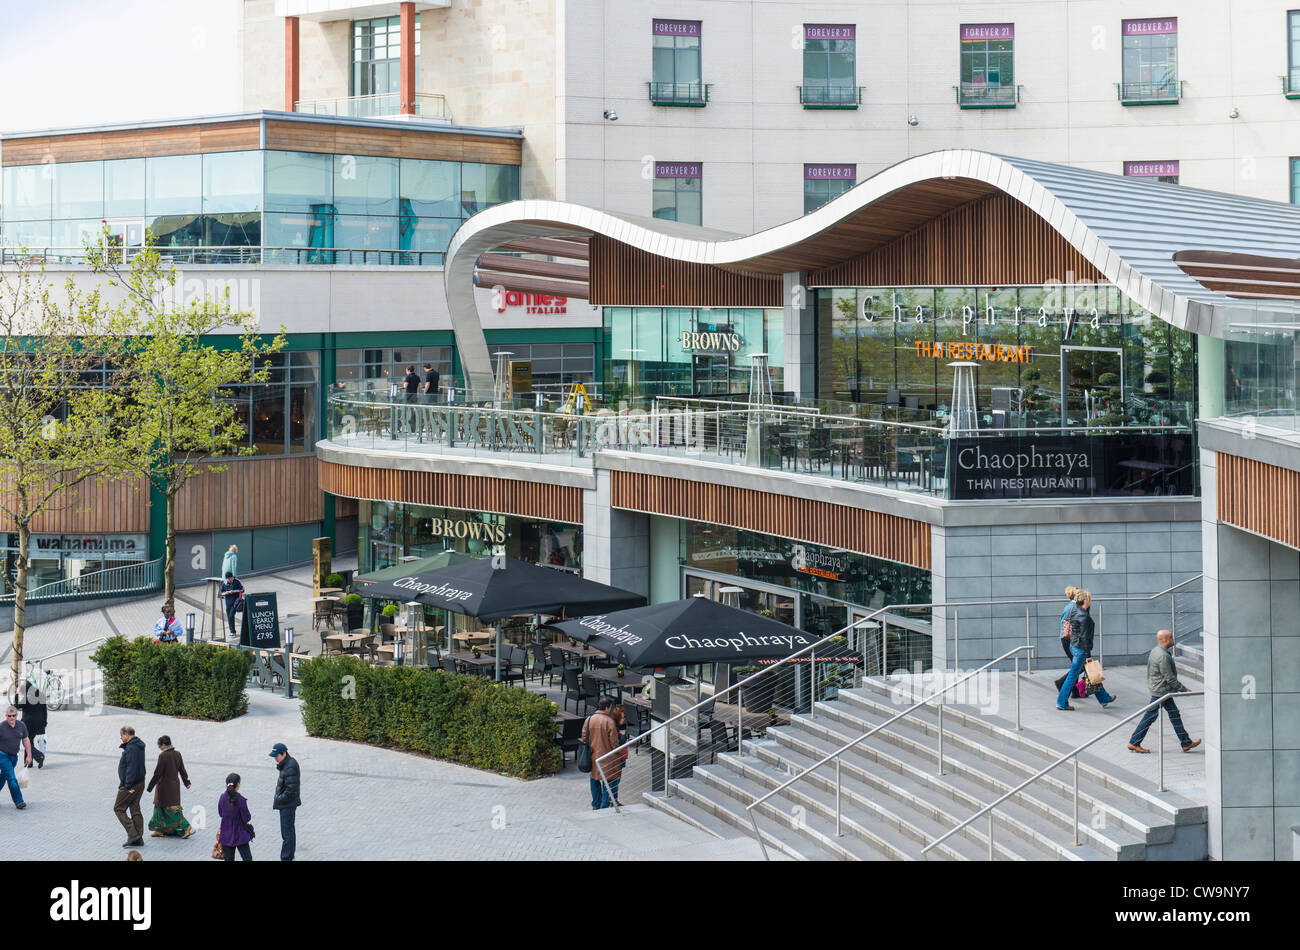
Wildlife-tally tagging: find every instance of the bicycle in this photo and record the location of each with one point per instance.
(49, 684)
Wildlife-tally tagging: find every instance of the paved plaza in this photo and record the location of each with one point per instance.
(359, 802)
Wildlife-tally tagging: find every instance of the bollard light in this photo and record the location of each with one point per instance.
(189, 628)
(288, 636)
(397, 652)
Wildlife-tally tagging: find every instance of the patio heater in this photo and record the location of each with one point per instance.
(760, 400)
(501, 389)
(414, 634)
(963, 420)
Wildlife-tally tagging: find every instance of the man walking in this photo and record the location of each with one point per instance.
(31, 704)
(130, 786)
(1162, 679)
(287, 798)
(233, 591)
(412, 382)
(14, 742)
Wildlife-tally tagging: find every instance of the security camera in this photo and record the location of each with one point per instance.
(913, 120)
(611, 115)
(1234, 114)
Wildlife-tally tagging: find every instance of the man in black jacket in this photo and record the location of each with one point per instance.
(130, 786)
(31, 703)
(286, 798)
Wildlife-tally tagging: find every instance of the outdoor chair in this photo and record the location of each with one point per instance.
(542, 665)
(572, 687)
(636, 721)
(819, 448)
(570, 738)
(590, 690)
(449, 665)
(388, 631)
(323, 610)
(558, 660)
(512, 665)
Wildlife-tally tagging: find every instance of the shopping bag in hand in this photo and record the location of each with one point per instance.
(1094, 673)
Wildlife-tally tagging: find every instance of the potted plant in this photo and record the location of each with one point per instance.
(621, 669)
(389, 612)
(476, 651)
(759, 695)
(334, 580)
(356, 610)
(772, 716)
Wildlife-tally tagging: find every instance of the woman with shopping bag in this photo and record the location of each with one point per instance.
(1082, 630)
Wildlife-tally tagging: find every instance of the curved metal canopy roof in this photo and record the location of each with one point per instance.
(1130, 229)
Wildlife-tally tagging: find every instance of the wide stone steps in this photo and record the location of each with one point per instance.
(1002, 759)
(951, 798)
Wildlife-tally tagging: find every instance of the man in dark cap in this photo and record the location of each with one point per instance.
(286, 798)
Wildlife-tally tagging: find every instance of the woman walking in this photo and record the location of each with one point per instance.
(168, 819)
(236, 829)
(1081, 637)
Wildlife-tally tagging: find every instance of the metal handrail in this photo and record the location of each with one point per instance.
(749, 809)
(988, 809)
(226, 254)
(36, 664)
(145, 569)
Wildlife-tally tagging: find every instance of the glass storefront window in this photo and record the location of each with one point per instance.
(232, 181)
(482, 186)
(365, 184)
(27, 192)
(365, 232)
(124, 188)
(988, 63)
(173, 184)
(678, 199)
(817, 192)
(432, 188)
(891, 346)
(58, 557)
(78, 190)
(676, 59)
(1150, 59)
(829, 66)
(298, 181)
(376, 54)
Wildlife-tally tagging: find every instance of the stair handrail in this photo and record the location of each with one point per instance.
(749, 809)
(871, 618)
(988, 809)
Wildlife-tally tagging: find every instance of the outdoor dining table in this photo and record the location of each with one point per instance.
(610, 675)
(580, 651)
(331, 590)
(482, 662)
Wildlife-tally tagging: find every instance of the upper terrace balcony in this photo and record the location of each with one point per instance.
(428, 107)
(868, 448)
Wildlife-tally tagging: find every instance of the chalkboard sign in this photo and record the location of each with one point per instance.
(261, 628)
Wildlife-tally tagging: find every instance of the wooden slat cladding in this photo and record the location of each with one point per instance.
(1259, 497)
(625, 276)
(252, 491)
(399, 142)
(805, 519)
(450, 490)
(993, 241)
(133, 143)
(96, 507)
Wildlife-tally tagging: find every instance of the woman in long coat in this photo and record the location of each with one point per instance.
(168, 819)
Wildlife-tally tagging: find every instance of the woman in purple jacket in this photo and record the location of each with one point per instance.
(236, 830)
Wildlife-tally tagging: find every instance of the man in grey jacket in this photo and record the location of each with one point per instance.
(1162, 679)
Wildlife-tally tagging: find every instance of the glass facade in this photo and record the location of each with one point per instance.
(302, 207)
(1295, 181)
(389, 531)
(816, 192)
(1047, 356)
(554, 365)
(1293, 50)
(817, 588)
(280, 415)
(381, 367)
(1260, 376)
(680, 351)
(60, 557)
(677, 61)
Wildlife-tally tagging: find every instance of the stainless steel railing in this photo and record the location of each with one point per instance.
(1073, 754)
(836, 755)
(141, 577)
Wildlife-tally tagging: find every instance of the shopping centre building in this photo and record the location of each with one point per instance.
(986, 376)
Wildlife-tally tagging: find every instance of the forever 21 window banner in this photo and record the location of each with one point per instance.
(1072, 466)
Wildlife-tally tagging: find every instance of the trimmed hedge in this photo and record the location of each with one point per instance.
(465, 719)
(195, 680)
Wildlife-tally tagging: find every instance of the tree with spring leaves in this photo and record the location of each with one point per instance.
(59, 425)
(187, 355)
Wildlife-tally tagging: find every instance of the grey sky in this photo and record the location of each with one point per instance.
(89, 62)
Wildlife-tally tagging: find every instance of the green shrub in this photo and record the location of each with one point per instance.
(391, 610)
(352, 600)
(195, 680)
(333, 580)
(464, 719)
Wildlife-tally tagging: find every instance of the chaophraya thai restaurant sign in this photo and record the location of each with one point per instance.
(1123, 464)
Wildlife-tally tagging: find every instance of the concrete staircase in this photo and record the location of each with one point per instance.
(894, 802)
(1189, 655)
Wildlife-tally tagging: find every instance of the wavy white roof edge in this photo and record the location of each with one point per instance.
(1128, 228)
